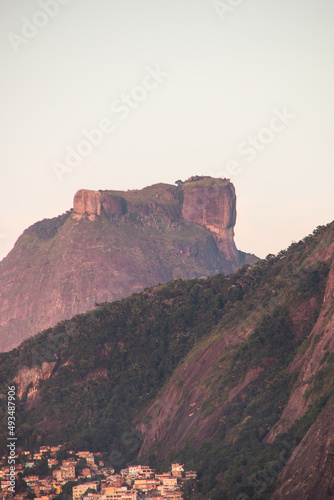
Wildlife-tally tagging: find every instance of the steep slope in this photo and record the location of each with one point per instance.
(268, 369)
(113, 244)
(308, 473)
(85, 379)
(321, 338)
(198, 371)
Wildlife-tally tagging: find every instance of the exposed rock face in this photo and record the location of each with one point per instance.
(213, 205)
(172, 418)
(87, 202)
(175, 418)
(27, 376)
(224, 393)
(113, 244)
(309, 363)
(93, 203)
(309, 473)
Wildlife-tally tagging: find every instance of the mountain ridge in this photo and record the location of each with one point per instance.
(199, 372)
(112, 244)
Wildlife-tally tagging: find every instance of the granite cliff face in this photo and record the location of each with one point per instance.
(31, 377)
(112, 244)
(95, 203)
(307, 364)
(309, 473)
(213, 205)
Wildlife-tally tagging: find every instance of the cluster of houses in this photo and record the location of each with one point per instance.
(90, 478)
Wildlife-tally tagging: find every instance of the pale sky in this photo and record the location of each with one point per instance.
(238, 89)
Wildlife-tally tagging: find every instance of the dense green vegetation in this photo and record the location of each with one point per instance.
(237, 463)
(110, 364)
(112, 361)
(237, 460)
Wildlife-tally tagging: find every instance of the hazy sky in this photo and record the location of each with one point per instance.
(238, 89)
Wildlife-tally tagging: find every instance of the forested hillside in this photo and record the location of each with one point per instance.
(226, 374)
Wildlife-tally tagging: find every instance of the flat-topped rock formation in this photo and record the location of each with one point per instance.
(112, 244)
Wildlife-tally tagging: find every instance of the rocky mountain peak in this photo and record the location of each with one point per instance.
(112, 244)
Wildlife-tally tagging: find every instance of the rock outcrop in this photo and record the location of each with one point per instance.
(309, 473)
(31, 376)
(95, 203)
(213, 205)
(27, 379)
(309, 363)
(175, 420)
(113, 244)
